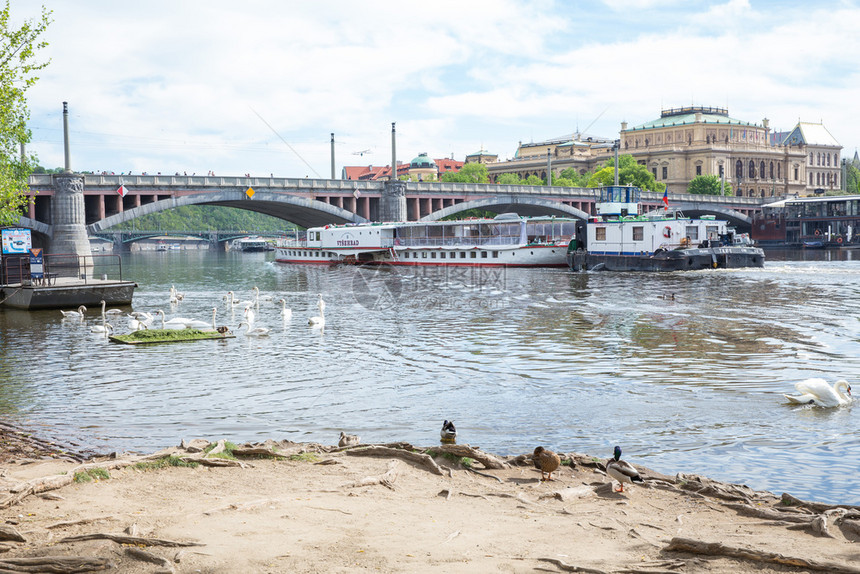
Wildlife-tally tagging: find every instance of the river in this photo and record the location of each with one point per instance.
(685, 371)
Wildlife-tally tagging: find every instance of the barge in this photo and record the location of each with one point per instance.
(622, 239)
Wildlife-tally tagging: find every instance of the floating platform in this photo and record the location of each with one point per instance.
(66, 293)
(154, 336)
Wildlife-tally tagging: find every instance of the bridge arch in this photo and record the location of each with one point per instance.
(522, 205)
(734, 218)
(302, 211)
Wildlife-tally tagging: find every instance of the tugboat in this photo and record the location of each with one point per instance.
(622, 239)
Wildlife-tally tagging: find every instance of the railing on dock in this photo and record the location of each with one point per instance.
(61, 266)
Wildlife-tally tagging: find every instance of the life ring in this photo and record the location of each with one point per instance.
(838, 240)
(667, 231)
(817, 232)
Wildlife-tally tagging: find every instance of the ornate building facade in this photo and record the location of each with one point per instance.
(686, 142)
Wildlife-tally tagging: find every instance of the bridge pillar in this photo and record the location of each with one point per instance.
(393, 202)
(69, 217)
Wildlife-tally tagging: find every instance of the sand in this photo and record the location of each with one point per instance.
(305, 511)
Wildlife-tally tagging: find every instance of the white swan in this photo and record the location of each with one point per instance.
(256, 331)
(820, 393)
(135, 324)
(321, 304)
(105, 327)
(175, 296)
(317, 321)
(79, 314)
(142, 316)
(249, 314)
(257, 296)
(232, 301)
(198, 324)
(286, 312)
(176, 323)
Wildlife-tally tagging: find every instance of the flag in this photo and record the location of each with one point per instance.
(666, 197)
(121, 190)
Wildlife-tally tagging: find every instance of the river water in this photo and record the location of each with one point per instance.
(684, 370)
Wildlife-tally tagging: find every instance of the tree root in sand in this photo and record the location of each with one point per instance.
(416, 457)
(56, 564)
(386, 479)
(717, 549)
(123, 539)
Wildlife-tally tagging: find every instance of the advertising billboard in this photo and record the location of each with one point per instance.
(16, 241)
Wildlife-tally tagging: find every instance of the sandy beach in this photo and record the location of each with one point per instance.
(290, 507)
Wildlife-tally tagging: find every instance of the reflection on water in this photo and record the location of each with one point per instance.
(685, 370)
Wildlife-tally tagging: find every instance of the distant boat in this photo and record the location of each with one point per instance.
(813, 244)
(161, 247)
(250, 244)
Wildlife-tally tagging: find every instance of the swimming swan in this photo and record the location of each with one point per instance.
(820, 393)
(286, 312)
(79, 314)
(256, 331)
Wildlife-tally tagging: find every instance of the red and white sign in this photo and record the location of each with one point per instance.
(121, 190)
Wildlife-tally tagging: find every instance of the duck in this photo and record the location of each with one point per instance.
(348, 440)
(254, 332)
(820, 393)
(286, 312)
(78, 314)
(448, 432)
(622, 471)
(546, 461)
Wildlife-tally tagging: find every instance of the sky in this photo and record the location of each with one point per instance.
(255, 87)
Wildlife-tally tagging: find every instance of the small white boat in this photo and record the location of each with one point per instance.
(249, 244)
(507, 240)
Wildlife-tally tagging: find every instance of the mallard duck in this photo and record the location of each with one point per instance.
(348, 439)
(622, 471)
(448, 432)
(546, 461)
(820, 393)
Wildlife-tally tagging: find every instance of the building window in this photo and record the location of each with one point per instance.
(811, 159)
(600, 234)
(796, 177)
(761, 171)
(654, 171)
(819, 159)
(665, 172)
(721, 171)
(828, 159)
(752, 169)
(779, 171)
(771, 170)
(698, 170)
(739, 169)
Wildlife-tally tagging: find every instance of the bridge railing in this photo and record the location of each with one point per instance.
(160, 182)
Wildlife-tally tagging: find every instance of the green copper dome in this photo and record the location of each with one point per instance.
(422, 161)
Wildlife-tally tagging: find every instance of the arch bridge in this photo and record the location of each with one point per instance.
(315, 202)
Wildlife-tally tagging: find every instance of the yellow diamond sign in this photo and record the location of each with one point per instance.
(250, 192)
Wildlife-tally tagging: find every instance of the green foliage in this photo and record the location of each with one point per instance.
(629, 173)
(707, 185)
(227, 453)
(164, 463)
(534, 180)
(166, 335)
(574, 176)
(18, 65)
(202, 217)
(481, 213)
(91, 474)
(305, 457)
(469, 173)
(852, 181)
(508, 179)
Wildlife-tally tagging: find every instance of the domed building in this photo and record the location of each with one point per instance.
(422, 168)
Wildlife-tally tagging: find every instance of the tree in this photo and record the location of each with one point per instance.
(18, 65)
(707, 185)
(469, 173)
(509, 179)
(629, 173)
(852, 181)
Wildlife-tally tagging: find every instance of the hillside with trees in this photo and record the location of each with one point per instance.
(207, 217)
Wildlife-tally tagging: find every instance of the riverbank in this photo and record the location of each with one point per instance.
(292, 507)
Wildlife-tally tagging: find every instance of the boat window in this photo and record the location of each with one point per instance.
(483, 254)
(692, 232)
(495, 254)
(462, 255)
(433, 255)
(638, 233)
(442, 255)
(424, 254)
(713, 231)
(473, 254)
(600, 234)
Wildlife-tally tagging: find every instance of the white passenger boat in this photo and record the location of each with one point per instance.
(620, 239)
(250, 244)
(506, 240)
